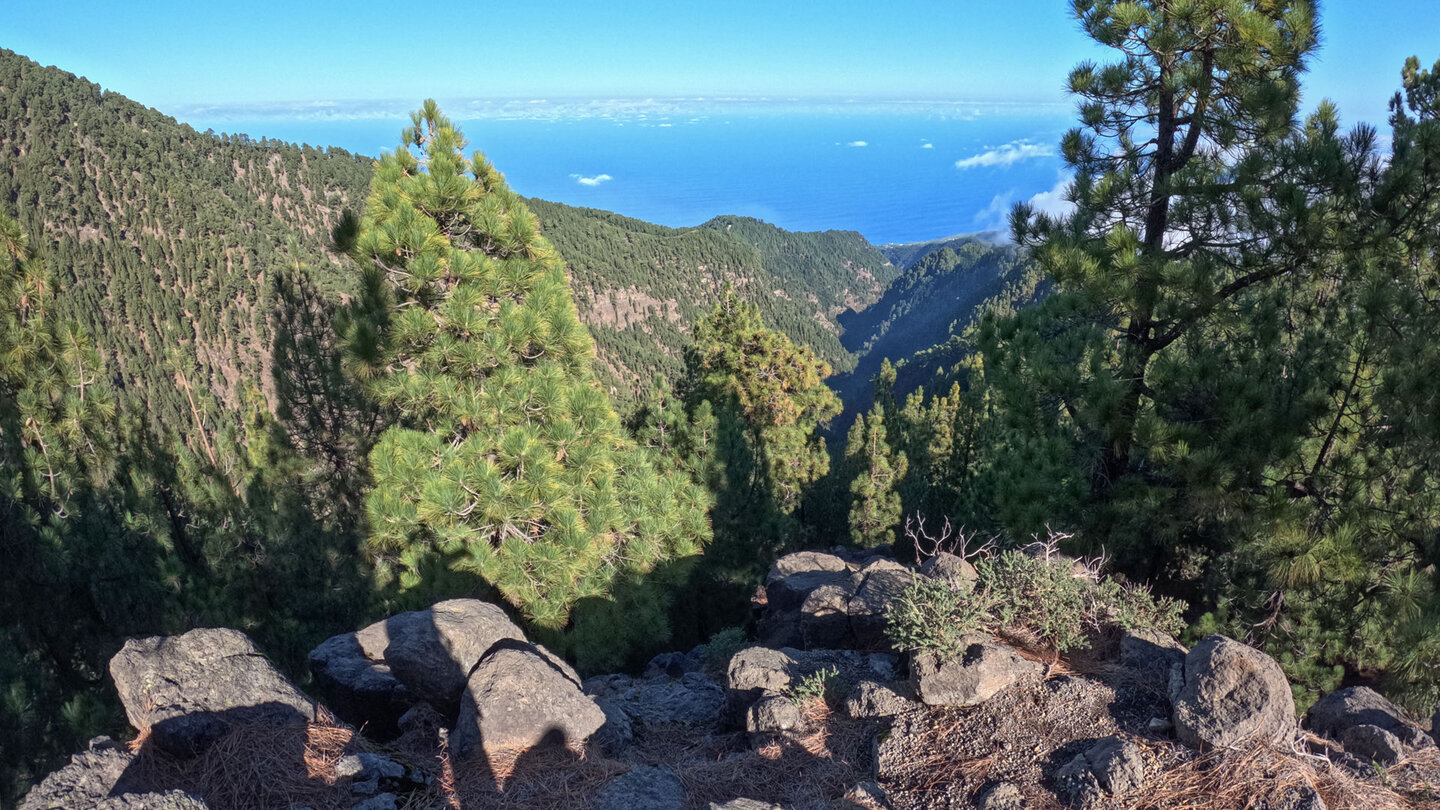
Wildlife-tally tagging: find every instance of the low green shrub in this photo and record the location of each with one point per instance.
(722, 647)
(823, 684)
(1045, 596)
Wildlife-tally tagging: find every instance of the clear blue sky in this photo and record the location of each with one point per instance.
(174, 54)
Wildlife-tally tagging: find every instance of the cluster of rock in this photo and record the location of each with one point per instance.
(822, 618)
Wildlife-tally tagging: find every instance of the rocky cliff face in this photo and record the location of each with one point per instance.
(454, 707)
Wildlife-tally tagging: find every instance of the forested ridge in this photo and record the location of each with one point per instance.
(291, 390)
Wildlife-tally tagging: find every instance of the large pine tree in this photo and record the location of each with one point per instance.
(506, 460)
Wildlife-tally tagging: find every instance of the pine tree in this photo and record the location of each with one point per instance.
(768, 399)
(506, 461)
(876, 470)
(1155, 379)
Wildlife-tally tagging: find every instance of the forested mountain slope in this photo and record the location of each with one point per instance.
(640, 286)
(931, 302)
(906, 255)
(162, 236)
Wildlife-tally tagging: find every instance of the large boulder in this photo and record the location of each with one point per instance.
(952, 569)
(824, 617)
(756, 672)
(188, 690)
(1373, 743)
(1354, 706)
(1229, 692)
(877, 586)
(520, 696)
(374, 674)
(982, 669)
(694, 700)
(804, 562)
(99, 771)
(773, 714)
(1151, 654)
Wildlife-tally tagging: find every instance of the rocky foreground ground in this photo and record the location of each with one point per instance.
(452, 707)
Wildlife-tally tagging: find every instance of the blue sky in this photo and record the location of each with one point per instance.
(177, 54)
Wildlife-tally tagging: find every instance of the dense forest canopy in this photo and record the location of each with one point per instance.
(290, 389)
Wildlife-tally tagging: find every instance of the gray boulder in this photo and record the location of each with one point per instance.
(1373, 743)
(520, 696)
(824, 617)
(674, 665)
(804, 562)
(369, 772)
(1361, 705)
(981, 670)
(188, 690)
(773, 714)
(1117, 763)
(1150, 654)
(952, 569)
(1228, 692)
(873, 699)
(419, 656)
(618, 732)
(876, 588)
(644, 787)
(694, 701)
(92, 774)
(758, 671)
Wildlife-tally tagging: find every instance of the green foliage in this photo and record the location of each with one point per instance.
(722, 647)
(767, 399)
(823, 684)
(640, 287)
(505, 461)
(875, 470)
(1040, 595)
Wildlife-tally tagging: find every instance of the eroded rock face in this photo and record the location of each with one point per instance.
(983, 669)
(644, 787)
(877, 586)
(190, 689)
(873, 699)
(1354, 706)
(92, 775)
(167, 800)
(1230, 692)
(521, 696)
(694, 700)
(374, 674)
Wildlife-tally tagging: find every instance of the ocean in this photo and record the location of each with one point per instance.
(893, 172)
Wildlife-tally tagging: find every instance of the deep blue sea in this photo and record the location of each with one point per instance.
(889, 172)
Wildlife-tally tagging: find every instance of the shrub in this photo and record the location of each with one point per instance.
(824, 684)
(722, 647)
(1044, 596)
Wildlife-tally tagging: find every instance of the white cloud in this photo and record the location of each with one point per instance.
(591, 181)
(996, 215)
(857, 143)
(1053, 202)
(1007, 155)
(927, 146)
